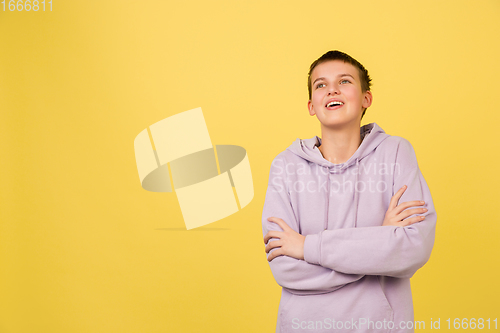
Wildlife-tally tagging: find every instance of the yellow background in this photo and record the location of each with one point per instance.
(83, 248)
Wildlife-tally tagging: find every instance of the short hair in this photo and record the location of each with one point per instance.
(338, 55)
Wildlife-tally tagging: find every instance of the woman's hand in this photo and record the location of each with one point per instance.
(396, 214)
(290, 243)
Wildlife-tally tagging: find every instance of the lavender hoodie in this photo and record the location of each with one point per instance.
(355, 276)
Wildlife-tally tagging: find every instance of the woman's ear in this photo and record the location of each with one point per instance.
(367, 100)
(311, 108)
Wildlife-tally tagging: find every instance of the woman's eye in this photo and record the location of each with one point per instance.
(345, 81)
(319, 85)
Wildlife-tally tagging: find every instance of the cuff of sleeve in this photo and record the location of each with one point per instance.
(312, 252)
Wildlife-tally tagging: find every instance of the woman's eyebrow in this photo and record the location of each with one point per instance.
(340, 75)
(319, 78)
(346, 75)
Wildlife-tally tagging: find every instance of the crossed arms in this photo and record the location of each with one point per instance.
(328, 260)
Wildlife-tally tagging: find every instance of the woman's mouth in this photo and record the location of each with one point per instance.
(334, 105)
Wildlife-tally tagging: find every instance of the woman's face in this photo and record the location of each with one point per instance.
(337, 97)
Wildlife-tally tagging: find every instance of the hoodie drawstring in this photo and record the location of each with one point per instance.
(355, 195)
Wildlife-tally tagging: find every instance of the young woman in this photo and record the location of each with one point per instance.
(348, 217)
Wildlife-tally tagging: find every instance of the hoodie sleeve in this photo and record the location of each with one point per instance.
(385, 250)
(297, 276)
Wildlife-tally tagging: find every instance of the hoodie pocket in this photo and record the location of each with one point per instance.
(360, 306)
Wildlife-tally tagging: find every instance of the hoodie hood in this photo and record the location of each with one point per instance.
(371, 135)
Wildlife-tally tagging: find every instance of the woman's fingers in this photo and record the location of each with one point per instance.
(412, 220)
(408, 204)
(271, 234)
(278, 242)
(409, 212)
(273, 244)
(279, 222)
(396, 196)
(398, 214)
(275, 253)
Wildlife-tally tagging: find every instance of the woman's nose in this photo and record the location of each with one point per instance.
(333, 90)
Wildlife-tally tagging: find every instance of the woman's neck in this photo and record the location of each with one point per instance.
(338, 145)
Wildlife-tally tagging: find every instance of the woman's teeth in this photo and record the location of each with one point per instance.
(331, 104)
